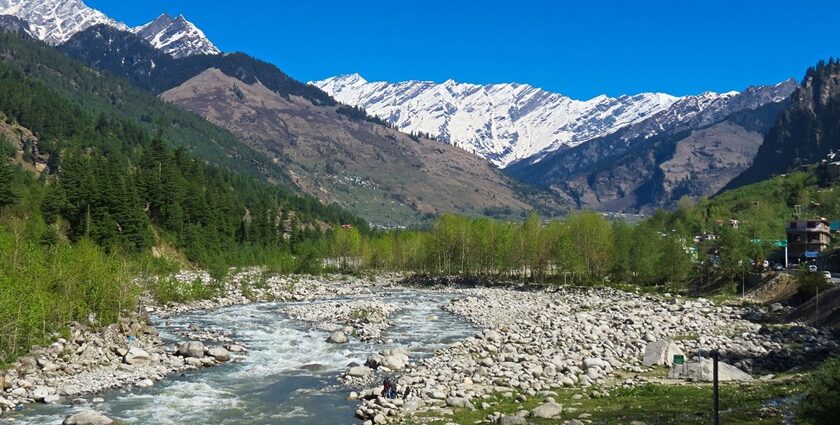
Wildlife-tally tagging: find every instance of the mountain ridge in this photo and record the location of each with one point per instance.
(57, 21)
(501, 122)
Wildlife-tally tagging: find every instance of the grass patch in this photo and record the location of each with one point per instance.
(654, 404)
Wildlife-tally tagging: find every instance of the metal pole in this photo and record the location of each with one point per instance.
(715, 386)
(817, 319)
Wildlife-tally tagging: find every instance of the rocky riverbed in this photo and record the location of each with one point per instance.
(525, 343)
(131, 353)
(536, 341)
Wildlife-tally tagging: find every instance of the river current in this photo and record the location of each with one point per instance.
(288, 377)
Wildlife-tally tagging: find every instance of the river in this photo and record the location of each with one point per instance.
(288, 377)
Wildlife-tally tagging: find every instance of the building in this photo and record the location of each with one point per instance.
(808, 237)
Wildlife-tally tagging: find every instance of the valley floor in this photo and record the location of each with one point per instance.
(541, 355)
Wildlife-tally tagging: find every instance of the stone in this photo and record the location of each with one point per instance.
(88, 417)
(547, 410)
(40, 393)
(144, 383)
(235, 348)
(136, 356)
(359, 371)
(661, 353)
(459, 402)
(337, 338)
(69, 390)
(512, 420)
(193, 349)
(52, 398)
(219, 353)
(192, 361)
(703, 370)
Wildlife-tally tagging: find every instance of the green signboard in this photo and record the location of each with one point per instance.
(679, 359)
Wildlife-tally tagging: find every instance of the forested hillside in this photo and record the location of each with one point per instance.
(73, 236)
(99, 93)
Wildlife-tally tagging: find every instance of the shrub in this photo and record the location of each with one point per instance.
(822, 396)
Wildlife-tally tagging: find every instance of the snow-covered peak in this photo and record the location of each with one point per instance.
(55, 21)
(500, 122)
(178, 37)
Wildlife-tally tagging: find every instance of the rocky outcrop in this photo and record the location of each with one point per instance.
(703, 370)
(661, 353)
(805, 132)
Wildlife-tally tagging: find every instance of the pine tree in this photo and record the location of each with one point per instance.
(8, 195)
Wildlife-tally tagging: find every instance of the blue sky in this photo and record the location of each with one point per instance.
(580, 49)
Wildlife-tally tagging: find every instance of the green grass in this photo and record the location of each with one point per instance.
(653, 404)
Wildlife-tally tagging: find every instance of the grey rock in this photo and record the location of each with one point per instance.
(88, 417)
(137, 356)
(219, 353)
(193, 349)
(337, 338)
(547, 410)
(661, 353)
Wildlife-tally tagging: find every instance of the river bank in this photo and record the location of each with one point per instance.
(91, 359)
(520, 343)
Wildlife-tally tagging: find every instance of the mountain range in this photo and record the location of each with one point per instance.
(500, 122)
(398, 152)
(303, 136)
(55, 22)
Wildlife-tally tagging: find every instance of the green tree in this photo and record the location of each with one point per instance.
(8, 194)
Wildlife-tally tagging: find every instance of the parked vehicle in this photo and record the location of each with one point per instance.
(812, 268)
(827, 276)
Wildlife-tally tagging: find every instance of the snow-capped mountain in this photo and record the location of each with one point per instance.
(178, 37)
(500, 122)
(55, 21)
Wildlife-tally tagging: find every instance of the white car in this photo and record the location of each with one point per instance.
(827, 276)
(812, 268)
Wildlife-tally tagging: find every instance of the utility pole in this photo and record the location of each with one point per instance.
(715, 397)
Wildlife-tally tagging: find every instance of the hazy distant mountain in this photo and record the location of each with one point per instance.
(500, 122)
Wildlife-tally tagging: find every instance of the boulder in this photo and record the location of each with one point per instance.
(219, 353)
(661, 353)
(459, 402)
(41, 393)
(337, 337)
(511, 420)
(136, 356)
(547, 410)
(359, 371)
(69, 390)
(704, 371)
(193, 349)
(235, 348)
(88, 417)
(144, 383)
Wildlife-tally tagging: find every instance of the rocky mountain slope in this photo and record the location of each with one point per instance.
(500, 122)
(329, 150)
(806, 131)
(176, 37)
(694, 148)
(56, 21)
(374, 171)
